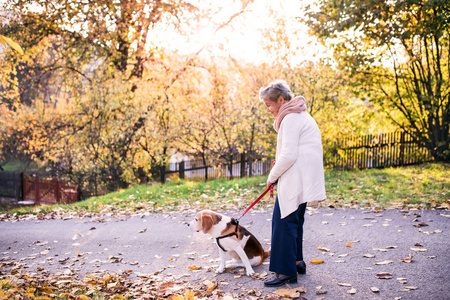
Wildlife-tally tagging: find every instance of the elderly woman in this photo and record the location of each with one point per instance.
(298, 172)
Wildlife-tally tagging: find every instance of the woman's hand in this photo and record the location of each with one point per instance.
(269, 184)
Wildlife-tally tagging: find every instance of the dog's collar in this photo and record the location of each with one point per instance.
(234, 222)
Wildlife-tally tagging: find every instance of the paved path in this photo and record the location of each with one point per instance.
(162, 242)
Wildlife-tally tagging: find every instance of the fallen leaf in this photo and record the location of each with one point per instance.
(380, 249)
(189, 295)
(369, 255)
(344, 284)
(418, 245)
(210, 286)
(411, 287)
(349, 244)
(194, 268)
(323, 249)
(143, 230)
(423, 224)
(316, 261)
(374, 289)
(351, 291)
(384, 262)
(419, 249)
(384, 275)
(288, 293)
(321, 292)
(407, 259)
(402, 280)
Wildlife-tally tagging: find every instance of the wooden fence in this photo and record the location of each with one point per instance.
(48, 191)
(379, 151)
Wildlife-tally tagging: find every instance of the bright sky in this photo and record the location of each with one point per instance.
(243, 38)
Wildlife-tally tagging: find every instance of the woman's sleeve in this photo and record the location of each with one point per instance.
(290, 129)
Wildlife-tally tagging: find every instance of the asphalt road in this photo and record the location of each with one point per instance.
(163, 243)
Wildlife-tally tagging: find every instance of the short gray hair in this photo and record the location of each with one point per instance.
(274, 90)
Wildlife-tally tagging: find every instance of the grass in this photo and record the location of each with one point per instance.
(424, 186)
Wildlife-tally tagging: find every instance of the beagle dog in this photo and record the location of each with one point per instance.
(232, 238)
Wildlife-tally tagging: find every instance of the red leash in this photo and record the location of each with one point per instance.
(270, 188)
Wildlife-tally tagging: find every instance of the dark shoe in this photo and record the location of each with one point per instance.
(301, 267)
(277, 281)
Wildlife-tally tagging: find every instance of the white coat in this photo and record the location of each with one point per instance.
(299, 163)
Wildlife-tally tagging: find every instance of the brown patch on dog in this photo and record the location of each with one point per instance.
(207, 220)
(253, 247)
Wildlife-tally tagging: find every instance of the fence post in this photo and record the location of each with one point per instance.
(36, 190)
(402, 148)
(57, 188)
(20, 195)
(181, 170)
(242, 165)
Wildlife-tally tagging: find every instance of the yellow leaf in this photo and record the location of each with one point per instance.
(13, 44)
(288, 293)
(83, 297)
(349, 244)
(323, 249)
(194, 268)
(189, 295)
(316, 261)
(2, 41)
(176, 297)
(210, 285)
(4, 282)
(119, 297)
(47, 290)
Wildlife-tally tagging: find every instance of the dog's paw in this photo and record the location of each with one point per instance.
(220, 270)
(250, 272)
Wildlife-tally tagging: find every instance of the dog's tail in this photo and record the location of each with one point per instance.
(266, 254)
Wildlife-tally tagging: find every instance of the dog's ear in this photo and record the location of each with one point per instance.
(208, 220)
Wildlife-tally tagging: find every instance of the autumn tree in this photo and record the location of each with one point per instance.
(399, 51)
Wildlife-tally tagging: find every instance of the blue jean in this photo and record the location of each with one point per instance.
(287, 240)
